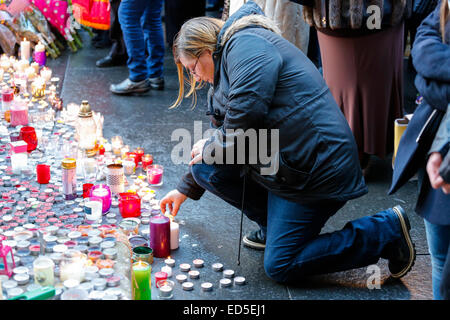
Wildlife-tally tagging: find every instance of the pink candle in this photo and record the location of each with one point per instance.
(103, 193)
(19, 113)
(155, 174)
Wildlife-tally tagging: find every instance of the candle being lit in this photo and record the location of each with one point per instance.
(174, 235)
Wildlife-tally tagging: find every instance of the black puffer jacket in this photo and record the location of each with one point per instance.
(262, 81)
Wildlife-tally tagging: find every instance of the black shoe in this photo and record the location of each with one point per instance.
(156, 83)
(127, 86)
(255, 240)
(109, 62)
(401, 253)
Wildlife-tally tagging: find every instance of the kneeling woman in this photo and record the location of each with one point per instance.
(262, 81)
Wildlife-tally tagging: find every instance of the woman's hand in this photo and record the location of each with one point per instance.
(197, 151)
(436, 181)
(174, 199)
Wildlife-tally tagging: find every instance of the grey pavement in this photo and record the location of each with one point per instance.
(209, 228)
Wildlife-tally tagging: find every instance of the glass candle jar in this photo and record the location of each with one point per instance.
(147, 159)
(43, 269)
(28, 134)
(43, 173)
(129, 205)
(142, 253)
(103, 193)
(38, 88)
(115, 177)
(69, 178)
(7, 98)
(19, 156)
(129, 166)
(72, 265)
(19, 113)
(141, 288)
(155, 175)
(129, 227)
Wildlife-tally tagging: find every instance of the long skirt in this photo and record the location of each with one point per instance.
(365, 76)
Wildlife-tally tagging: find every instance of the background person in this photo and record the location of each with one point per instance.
(426, 142)
(142, 29)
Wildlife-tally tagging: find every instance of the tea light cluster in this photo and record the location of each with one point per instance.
(189, 277)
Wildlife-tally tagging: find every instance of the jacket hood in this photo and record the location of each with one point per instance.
(250, 14)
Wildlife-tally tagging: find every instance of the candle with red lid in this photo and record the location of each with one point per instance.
(155, 175)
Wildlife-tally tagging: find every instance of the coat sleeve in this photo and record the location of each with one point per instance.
(189, 187)
(429, 53)
(252, 67)
(436, 93)
(442, 139)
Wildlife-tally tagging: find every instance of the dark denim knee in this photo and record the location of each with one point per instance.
(201, 174)
(274, 270)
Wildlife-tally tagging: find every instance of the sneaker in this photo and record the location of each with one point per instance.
(127, 86)
(401, 253)
(156, 83)
(255, 240)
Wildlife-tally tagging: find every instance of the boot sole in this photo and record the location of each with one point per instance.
(254, 245)
(131, 92)
(406, 226)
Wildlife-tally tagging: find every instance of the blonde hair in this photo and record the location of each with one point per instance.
(444, 17)
(195, 36)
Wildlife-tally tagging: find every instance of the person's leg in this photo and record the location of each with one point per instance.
(154, 39)
(438, 238)
(225, 182)
(296, 249)
(130, 13)
(117, 54)
(445, 281)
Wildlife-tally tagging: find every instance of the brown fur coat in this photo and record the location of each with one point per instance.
(348, 14)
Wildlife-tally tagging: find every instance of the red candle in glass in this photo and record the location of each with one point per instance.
(87, 189)
(155, 174)
(43, 173)
(132, 155)
(160, 275)
(28, 134)
(129, 205)
(139, 152)
(147, 159)
(101, 150)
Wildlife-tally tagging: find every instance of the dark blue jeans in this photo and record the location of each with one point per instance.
(294, 246)
(141, 25)
(438, 238)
